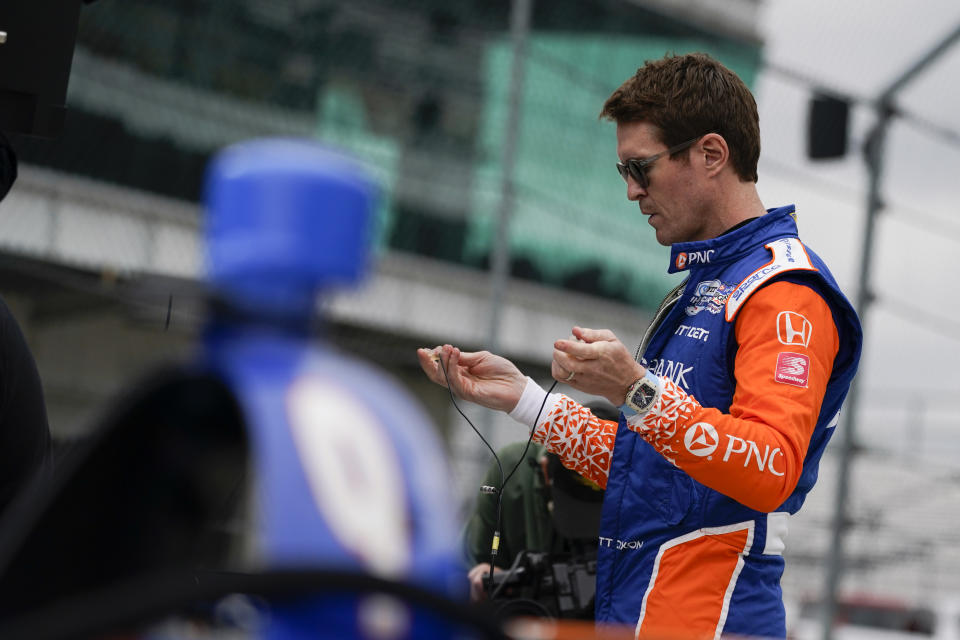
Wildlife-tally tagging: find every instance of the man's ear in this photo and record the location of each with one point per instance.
(716, 153)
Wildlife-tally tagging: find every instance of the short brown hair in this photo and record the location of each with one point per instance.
(690, 95)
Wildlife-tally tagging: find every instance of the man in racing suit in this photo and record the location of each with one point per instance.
(729, 403)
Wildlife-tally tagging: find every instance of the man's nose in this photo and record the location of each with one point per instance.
(634, 190)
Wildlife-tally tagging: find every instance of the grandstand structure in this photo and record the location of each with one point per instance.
(105, 218)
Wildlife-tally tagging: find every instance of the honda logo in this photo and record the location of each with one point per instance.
(793, 329)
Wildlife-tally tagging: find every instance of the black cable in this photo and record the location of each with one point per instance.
(453, 399)
(138, 599)
(503, 481)
(510, 573)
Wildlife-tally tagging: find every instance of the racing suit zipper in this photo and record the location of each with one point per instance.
(665, 306)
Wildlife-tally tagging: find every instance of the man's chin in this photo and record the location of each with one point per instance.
(653, 219)
(663, 237)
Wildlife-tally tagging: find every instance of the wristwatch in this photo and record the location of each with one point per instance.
(641, 395)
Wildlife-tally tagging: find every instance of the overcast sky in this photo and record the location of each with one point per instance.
(910, 371)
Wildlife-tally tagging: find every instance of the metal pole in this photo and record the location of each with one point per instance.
(500, 254)
(500, 251)
(873, 154)
(919, 66)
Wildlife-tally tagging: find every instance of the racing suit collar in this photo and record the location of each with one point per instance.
(777, 222)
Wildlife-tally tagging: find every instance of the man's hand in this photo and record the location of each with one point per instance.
(601, 365)
(476, 576)
(480, 377)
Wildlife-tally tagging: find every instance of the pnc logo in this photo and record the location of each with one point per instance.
(694, 257)
(750, 449)
(793, 329)
(701, 439)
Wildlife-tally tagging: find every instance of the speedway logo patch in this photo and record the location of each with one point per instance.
(793, 368)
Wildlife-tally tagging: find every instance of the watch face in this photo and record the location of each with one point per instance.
(644, 394)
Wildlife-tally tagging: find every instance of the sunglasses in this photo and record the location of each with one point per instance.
(637, 169)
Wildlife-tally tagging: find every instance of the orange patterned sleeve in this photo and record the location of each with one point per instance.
(583, 441)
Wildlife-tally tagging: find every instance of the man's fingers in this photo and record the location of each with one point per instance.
(574, 349)
(447, 369)
(430, 363)
(558, 372)
(440, 365)
(429, 356)
(476, 576)
(446, 363)
(479, 570)
(470, 358)
(451, 361)
(594, 335)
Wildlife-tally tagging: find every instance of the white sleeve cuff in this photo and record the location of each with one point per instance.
(529, 405)
(636, 420)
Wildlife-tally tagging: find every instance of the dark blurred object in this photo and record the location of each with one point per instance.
(546, 585)
(556, 579)
(36, 51)
(158, 487)
(8, 166)
(827, 128)
(24, 430)
(577, 502)
(103, 148)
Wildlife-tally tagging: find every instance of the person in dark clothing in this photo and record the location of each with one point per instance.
(546, 508)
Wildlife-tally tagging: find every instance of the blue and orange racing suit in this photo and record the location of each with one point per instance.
(754, 359)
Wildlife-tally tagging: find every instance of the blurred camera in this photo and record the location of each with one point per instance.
(546, 585)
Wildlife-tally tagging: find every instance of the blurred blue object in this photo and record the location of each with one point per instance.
(285, 217)
(348, 473)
